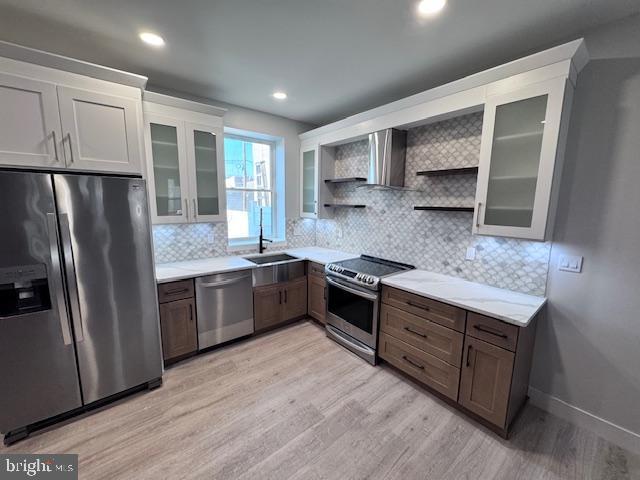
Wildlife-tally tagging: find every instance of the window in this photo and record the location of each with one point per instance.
(250, 178)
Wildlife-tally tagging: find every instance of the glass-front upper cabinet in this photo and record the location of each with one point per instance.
(206, 166)
(309, 182)
(168, 178)
(521, 139)
(185, 167)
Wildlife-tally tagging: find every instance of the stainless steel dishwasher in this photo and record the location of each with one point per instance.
(224, 303)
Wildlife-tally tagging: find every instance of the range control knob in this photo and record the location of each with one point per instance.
(370, 280)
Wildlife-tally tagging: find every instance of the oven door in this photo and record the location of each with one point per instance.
(353, 310)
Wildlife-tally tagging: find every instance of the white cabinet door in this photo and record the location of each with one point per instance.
(309, 182)
(205, 154)
(30, 133)
(101, 131)
(167, 173)
(520, 138)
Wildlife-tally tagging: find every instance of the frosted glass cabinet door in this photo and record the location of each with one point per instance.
(309, 182)
(518, 154)
(30, 133)
(206, 165)
(168, 179)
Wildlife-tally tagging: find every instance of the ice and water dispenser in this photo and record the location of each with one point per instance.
(24, 289)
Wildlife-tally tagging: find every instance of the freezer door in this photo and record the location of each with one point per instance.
(108, 259)
(38, 372)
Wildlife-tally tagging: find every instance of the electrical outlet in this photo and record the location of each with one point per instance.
(211, 238)
(570, 263)
(471, 253)
(298, 230)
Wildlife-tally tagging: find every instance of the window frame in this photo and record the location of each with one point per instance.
(239, 242)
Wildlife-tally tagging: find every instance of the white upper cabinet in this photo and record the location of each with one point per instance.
(30, 132)
(53, 119)
(100, 131)
(309, 182)
(520, 160)
(185, 164)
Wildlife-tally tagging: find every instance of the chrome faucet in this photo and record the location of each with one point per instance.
(261, 247)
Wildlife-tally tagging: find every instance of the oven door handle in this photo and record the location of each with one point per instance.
(359, 293)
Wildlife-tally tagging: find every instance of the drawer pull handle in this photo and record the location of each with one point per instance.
(175, 292)
(417, 305)
(406, 359)
(490, 331)
(415, 333)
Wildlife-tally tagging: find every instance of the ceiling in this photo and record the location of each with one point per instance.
(334, 58)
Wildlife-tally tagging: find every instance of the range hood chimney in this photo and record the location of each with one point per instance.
(387, 149)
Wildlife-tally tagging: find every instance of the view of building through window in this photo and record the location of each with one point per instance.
(249, 182)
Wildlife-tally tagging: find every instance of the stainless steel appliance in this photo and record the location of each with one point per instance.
(387, 150)
(224, 303)
(353, 299)
(78, 305)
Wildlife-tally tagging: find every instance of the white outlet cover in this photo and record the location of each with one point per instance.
(570, 263)
(471, 253)
(211, 238)
(297, 230)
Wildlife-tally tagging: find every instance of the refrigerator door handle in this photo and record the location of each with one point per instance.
(56, 278)
(72, 280)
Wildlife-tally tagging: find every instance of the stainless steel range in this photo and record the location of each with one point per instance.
(353, 299)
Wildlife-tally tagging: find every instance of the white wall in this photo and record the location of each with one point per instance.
(261, 122)
(588, 348)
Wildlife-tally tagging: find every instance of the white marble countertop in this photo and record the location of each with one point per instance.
(171, 272)
(512, 307)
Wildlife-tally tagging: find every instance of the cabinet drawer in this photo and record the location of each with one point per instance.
(168, 292)
(492, 331)
(424, 367)
(435, 339)
(438, 312)
(316, 269)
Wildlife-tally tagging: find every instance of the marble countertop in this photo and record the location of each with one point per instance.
(512, 307)
(171, 272)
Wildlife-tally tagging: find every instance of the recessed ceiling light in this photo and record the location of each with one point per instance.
(279, 95)
(152, 39)
(430, 7)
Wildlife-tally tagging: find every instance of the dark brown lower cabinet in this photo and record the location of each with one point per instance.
(485, 380)
(179, 328)
(317, 294)
(277, 304)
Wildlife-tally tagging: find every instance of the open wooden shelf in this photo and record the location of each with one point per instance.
(447, 171)
(342, 205)
(345, 180)
(446, 209)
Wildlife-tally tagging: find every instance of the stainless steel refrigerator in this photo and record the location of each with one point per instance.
(78, 306)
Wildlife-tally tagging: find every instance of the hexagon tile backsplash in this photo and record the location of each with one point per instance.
(389, 227)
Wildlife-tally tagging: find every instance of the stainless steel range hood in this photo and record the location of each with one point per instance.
(387, 150)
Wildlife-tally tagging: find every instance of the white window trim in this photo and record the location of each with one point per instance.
(244, 243)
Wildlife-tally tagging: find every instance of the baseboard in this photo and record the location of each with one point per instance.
(604, 428)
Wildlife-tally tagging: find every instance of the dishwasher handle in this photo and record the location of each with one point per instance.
(222, 283)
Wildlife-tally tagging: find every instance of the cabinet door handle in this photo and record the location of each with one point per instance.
(406, 359)
(469, 356)
(70, 148)
(491, 331)
(195, 210)
(186, 207)
(285, 296)
(325, 292)
(415, 333)
(55, 145)
(478, 215)
(280, 297)
(421, 307)
(191, 312)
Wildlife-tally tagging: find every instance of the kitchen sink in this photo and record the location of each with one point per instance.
(274, 258)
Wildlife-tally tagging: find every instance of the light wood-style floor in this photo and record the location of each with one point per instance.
(293, 404)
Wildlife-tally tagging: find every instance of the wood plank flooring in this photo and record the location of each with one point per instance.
(293, 404)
